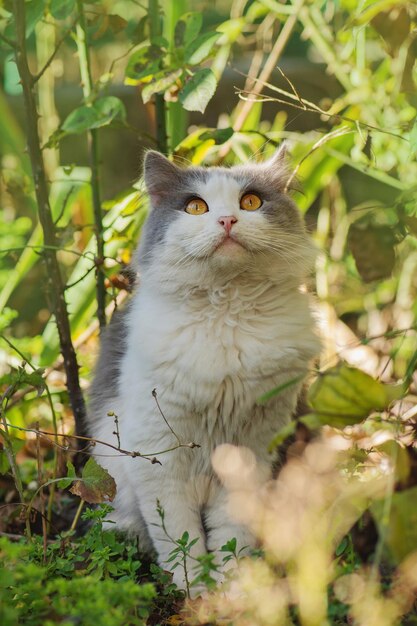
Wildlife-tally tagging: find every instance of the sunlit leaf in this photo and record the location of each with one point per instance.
(199, 49)
(345, 395)
(161, 82)
(80, 120)
(107, 110)
(187, 28)
(71, 476)
(96, 485)
(198, 91)
(144, 62)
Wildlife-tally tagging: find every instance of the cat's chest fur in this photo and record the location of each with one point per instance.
(216, 350)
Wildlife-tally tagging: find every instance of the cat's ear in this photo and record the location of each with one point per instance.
(161, 176)
(277, 167)
(280, 157)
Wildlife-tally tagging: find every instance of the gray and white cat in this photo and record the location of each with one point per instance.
(218, 320)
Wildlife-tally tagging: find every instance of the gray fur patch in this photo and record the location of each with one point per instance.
(107, 371)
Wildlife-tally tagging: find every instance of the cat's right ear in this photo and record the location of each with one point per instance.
(161, 176)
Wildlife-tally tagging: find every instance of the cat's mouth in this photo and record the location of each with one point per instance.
(229, 242)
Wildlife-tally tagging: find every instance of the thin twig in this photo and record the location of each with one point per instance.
(163, 416)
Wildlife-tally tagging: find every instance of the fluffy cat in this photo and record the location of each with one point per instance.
(218, 320)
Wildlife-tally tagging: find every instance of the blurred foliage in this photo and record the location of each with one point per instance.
(358, 170)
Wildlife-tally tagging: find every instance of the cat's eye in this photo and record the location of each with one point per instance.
(196, 206)
(250, 202)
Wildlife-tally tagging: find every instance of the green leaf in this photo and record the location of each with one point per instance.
(21, 378)
(61, 9)
(80, 120)
(71, 476)
(187, 28)
(96, 485)
(144, 62)
(107, 110)
(161, 82)
(199, 49)
(345, 395)
(198, 91)
(220, 135)
(101, 113)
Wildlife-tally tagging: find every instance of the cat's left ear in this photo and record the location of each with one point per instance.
(162, 177)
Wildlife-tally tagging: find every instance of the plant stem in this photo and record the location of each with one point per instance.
(55, 284)
(77, 515)
(10, 454)
(176, 115)
(92, 137)
(160, 109)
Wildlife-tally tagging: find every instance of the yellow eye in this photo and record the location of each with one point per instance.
(250, 202)
(196, 206)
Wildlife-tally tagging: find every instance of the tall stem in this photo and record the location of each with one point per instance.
(55, 284)
(160, 107)
(176, 114)
(92, 137)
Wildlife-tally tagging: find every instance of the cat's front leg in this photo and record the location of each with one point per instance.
(221, 529)
(170, 509)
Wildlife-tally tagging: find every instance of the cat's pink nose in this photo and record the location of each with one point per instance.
(227, 222)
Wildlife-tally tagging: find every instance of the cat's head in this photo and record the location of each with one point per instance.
(215, 219)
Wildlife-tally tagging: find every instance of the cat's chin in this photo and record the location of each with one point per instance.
(229, 249)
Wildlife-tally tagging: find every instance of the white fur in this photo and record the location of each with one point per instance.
(211, 332)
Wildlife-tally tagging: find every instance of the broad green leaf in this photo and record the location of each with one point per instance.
(96, 485)
(144, 63)
(198, 91)
(107, 110)
(81, 119)
(71, 476)
(345, 395)
(161, 82)
(199, 49)
(101, 113)
(219, 135)
(60, 9)
(400, 530)
(187, 28)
